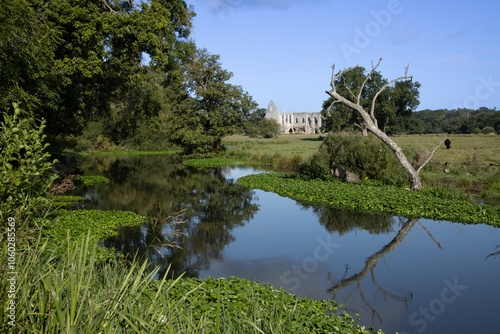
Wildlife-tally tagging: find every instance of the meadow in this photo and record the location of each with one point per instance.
(469, 163)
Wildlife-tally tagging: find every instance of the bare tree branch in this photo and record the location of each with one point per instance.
(430, 235)
(105, 3)
(429, 158)
(374, 68)
(370, 121)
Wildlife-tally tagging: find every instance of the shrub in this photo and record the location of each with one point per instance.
(367, 157)
(267, 128)
(26, 173)
(488, 130)
(491, 193)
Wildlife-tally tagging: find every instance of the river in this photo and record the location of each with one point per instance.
(410, 276)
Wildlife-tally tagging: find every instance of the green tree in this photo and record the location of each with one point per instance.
(81, 61)
(27, 46)
(210, 108)
(393, 103)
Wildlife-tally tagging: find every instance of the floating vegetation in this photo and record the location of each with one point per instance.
(217, 162)
(376, 199)
(92, 180)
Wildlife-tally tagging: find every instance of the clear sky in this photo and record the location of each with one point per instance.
(284, 49)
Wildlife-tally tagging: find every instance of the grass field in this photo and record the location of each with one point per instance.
(463, 147)
(471, 161)
(285, 145)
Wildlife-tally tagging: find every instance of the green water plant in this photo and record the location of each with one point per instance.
(217, 162)
(64, 224)
(374, 198)
(92, 180)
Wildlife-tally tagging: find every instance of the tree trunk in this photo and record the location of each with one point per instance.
(369, 123)
(412, 173)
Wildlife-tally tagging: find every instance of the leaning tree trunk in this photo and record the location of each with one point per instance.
(370, 122)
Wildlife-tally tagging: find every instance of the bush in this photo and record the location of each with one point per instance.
(26, 173)
(488, 130)
(267, 128)
(367, 157)
(491, 193)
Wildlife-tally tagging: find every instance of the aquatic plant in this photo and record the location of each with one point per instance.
(376, 199)
(63, 224)
(91, 180)
(217, 162)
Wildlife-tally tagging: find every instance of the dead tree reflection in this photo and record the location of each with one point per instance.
(495, 254)
(370, 264)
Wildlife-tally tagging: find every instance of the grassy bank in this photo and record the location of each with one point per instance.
(284, 145)
(430, 203)
(73, 292)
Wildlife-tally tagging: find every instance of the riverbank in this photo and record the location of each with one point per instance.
(75, 291)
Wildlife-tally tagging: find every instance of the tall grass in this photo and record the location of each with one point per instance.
(75, 293)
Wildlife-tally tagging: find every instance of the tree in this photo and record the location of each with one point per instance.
(367, 112)
(27, 46)
(395, 105)
(81, 61)
(211, 108)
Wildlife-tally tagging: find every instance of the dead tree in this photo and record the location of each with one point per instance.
(370, 121)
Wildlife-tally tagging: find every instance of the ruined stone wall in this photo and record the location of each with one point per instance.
(308, 123)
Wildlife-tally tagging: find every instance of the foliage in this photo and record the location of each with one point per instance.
(26, 173)
(394, 104)
(458, 120)
(376, 199)
(488, 130)
(492, 189)
(91, 180)
(365, 156)
(210, 108)
(66, 200)
(266, 128)
(127, 152)
(75, 224)
(27, 46)
(85, 61)
(74, 293)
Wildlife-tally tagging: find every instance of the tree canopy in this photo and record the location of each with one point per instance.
(122, 69)
(394, 105)
(212, 108)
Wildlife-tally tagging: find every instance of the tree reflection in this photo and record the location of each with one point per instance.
(161, 186)
(343, 221)
(370, 264)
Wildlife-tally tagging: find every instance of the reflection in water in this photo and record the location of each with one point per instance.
(210, 205)
(343, 221)
(232, 231)
(370, 264)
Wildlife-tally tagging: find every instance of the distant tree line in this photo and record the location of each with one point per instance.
(482, 120)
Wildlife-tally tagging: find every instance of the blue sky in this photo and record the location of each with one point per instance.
(284, 49)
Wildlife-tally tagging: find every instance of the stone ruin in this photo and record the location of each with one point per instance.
(305, 122)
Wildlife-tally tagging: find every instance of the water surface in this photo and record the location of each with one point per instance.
(401, 275)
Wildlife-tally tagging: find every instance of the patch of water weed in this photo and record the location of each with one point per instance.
(376, 199)
(63, 224)
(92, 180)
(217, 162)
